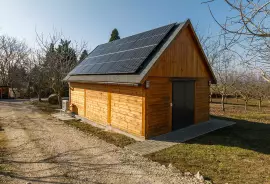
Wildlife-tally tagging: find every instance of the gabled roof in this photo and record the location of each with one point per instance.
(127, 60)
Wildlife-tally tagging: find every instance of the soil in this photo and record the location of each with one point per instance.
(42, 149)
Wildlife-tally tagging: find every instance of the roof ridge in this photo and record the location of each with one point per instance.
(138, 33)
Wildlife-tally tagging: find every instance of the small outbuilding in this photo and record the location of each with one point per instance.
(147, 84)
(4, 92)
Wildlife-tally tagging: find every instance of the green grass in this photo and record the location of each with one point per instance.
(237, 154)
(110, 137)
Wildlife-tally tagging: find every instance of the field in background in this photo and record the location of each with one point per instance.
(236, 109)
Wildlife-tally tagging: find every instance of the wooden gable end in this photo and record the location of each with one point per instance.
(183, 58)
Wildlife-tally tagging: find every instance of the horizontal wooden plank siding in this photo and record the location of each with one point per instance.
(158, 107)
(97, 103)
(201, 100)
(118, 106)
(126, 109)
(77, 99)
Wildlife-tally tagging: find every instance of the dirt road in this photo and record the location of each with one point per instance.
(45, 150)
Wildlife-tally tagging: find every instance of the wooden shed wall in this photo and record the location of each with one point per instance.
(201, 100)
(77, 97)
(96, 102)
(126, 109)
(182, 59)
(158, 110)
(118, 106)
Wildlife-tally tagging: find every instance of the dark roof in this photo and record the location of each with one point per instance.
(128, 60)
(123, 56)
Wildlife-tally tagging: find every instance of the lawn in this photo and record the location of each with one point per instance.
(237, 154)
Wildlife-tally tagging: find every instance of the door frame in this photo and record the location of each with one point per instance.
(175, 79)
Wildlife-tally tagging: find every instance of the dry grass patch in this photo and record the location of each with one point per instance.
(235, 109)
(3, 154)
(44, 106)
(110, 137)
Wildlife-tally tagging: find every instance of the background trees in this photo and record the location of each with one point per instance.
(247, 25)
(13, 55)
(36, 71)
(59, 57)
(114, 35)
(83, 55)
(245, 34)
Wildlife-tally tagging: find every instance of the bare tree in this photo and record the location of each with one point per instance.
(13, 53)
(213, 50)
(61, 56)
(37, 75)
(244, 87)
(259, 89)
(247, 24)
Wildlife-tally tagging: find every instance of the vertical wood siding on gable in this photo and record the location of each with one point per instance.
(182, 58)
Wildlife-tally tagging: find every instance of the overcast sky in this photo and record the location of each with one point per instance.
(93, 20)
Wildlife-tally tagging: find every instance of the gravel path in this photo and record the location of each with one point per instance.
(45, 150)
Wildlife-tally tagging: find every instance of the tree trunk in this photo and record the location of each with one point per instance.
(28, 91)
(246, 105)
(13, 92)
(222, 103)
(39, 97)
(60, 100)
(210, 98)
(260, 104)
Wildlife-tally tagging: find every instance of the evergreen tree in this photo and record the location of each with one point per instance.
(114, 35)
(83, 55)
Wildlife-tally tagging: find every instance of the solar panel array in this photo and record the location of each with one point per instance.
(122, 56)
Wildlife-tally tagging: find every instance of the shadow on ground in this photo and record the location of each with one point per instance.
(244, 134)
(65, 169)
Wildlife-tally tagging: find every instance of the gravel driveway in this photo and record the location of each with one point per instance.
(45, 150)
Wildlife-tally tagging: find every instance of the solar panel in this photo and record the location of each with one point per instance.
(122, 56)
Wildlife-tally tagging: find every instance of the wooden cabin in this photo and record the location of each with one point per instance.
(147, 84)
